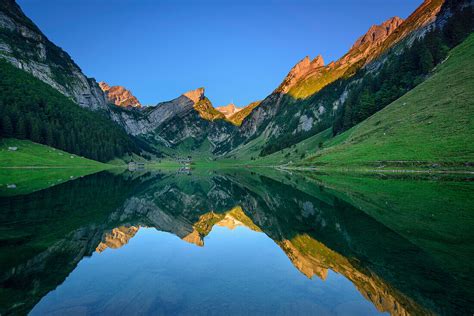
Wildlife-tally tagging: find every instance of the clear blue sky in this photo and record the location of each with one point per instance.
(238, 50)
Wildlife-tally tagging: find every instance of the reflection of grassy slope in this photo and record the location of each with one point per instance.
(431, 214)
(431, 123)
(50, 167)
(31, 180)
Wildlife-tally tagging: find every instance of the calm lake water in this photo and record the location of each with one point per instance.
(237, 243)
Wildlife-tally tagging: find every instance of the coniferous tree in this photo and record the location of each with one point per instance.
(49, 136)
(35, 132)
(21, 128)
(7, 127)
(426, 61)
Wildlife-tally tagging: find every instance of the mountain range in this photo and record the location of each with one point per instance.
(312, 98)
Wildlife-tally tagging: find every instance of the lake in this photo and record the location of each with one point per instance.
(237, 243)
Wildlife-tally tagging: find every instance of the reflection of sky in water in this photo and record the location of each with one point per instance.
(237, 272)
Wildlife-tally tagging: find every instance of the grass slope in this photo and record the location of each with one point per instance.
(31, 154)
(430, 124)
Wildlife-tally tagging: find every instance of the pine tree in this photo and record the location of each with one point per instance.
(21, 128)
(35, 132)
(366, 106)
(7, 128)
(426, 59)
(49, 136)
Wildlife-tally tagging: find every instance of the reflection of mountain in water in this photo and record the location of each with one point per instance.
(52, 230)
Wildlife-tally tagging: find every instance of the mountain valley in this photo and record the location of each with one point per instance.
(313, 98)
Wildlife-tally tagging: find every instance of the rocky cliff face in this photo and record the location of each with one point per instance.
(188, 117)
(151, 118)
(119, 96)
(26, 47)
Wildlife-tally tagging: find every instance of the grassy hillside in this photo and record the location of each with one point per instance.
(250, 152)
(31, 154)
(433, 123)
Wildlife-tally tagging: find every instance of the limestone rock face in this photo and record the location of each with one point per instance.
(26, 47)
(120, 96)
(190, 116)
(149, 119)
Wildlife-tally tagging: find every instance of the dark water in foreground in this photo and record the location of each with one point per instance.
(238, 243)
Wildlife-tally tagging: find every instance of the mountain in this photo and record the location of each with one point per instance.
(24, 46)
(188, 122)
(314, 97)
(309, 76)
(204, 106)
(119, 96)
(427, 127)
(228, 110)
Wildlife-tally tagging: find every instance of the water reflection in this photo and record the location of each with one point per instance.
(380, 245)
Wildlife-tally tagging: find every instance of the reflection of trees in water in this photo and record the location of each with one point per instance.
(55, 228)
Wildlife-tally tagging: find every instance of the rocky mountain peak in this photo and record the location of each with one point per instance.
(300, 70)
(378, 33)
(306, 64)
(228, 110)
(119, 95)
(318, 61)
(195, 95)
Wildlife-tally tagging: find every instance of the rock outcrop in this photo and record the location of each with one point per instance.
(120, 96)
(195, 95)
(23, 45)
(378, 33)
(228, 110)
